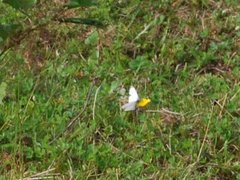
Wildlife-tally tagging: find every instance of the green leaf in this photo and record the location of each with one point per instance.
(7, 30)
(139, 63)
(92, 38)
(81, 3)
(86, 21)
(3, 88)
(114, 86)
(20, 4)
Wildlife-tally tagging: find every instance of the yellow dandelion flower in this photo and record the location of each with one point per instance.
(143, 102)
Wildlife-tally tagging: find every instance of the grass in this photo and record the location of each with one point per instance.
(183, 56)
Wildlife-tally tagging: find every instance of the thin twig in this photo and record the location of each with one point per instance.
(204, 138)
(146, 28)
(223, 105)
(70, 125)
(3, 53)
(29, 99)
(70, 170)
(163, 110)
(94, 103)
(191, 166)
(233, 97)
(223, 108)
(126, 154)
(42, 174)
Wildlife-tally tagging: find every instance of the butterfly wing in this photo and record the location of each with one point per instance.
(131, 106)
(133, 95)
(132, 100)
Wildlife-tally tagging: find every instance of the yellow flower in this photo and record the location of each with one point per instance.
(143, 102)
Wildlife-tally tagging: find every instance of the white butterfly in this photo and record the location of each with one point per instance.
(132, 100)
